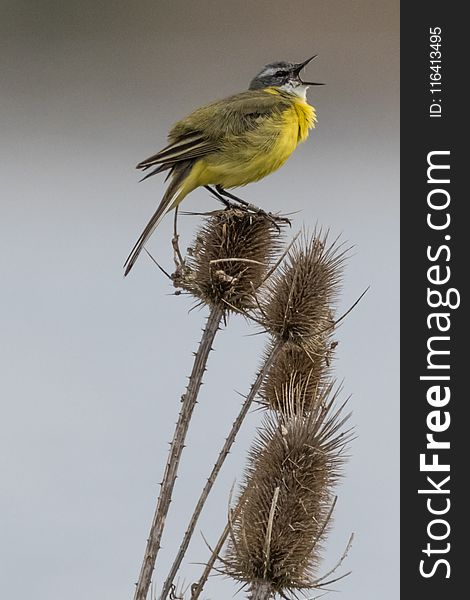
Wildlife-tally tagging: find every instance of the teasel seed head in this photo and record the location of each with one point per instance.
(302, 366)
(276, 538)
(297, 301)
(229, 259)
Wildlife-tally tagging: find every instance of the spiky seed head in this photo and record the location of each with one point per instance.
(297, 301)
(286, 497)
(229, 259)
(303, 367)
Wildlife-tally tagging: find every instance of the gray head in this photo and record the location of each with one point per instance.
(284, 75)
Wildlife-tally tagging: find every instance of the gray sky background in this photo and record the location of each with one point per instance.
(93, 365)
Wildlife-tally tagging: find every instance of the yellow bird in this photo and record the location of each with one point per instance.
(232, 142)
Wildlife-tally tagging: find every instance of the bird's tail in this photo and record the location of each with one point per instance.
(171, 198)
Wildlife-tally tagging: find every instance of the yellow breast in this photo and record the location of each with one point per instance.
(297, 120)
(306, 117)
(300, 117)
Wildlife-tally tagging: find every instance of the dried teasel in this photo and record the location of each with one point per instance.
(297, 300)
(286, 500)
(298, 366)
(230, 258)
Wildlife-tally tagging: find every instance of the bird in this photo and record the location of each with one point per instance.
(232, 142)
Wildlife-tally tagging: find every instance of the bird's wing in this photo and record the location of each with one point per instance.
(234, 115)
(207, 128)
(186, 147)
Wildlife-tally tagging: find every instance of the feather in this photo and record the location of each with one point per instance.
(181, 149)
(178, 176)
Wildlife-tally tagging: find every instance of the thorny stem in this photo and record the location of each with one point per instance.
(197, 588)
(176, 249)
(177, 444)
(234, 513)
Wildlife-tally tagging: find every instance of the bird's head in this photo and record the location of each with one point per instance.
(285, 75)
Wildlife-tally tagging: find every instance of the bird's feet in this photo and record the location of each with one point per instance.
(230, 201)
(276, 220)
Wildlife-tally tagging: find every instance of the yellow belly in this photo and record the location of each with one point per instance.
(239, 166)
(258, 154)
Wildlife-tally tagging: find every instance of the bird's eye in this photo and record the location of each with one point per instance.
(279, 74)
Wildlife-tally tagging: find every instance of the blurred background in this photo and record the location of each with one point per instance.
(93, 365)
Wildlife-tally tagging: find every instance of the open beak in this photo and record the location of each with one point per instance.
(301, 66)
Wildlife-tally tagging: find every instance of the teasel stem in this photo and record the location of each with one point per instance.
(188, 400)
(260, 590)
(197, 588)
